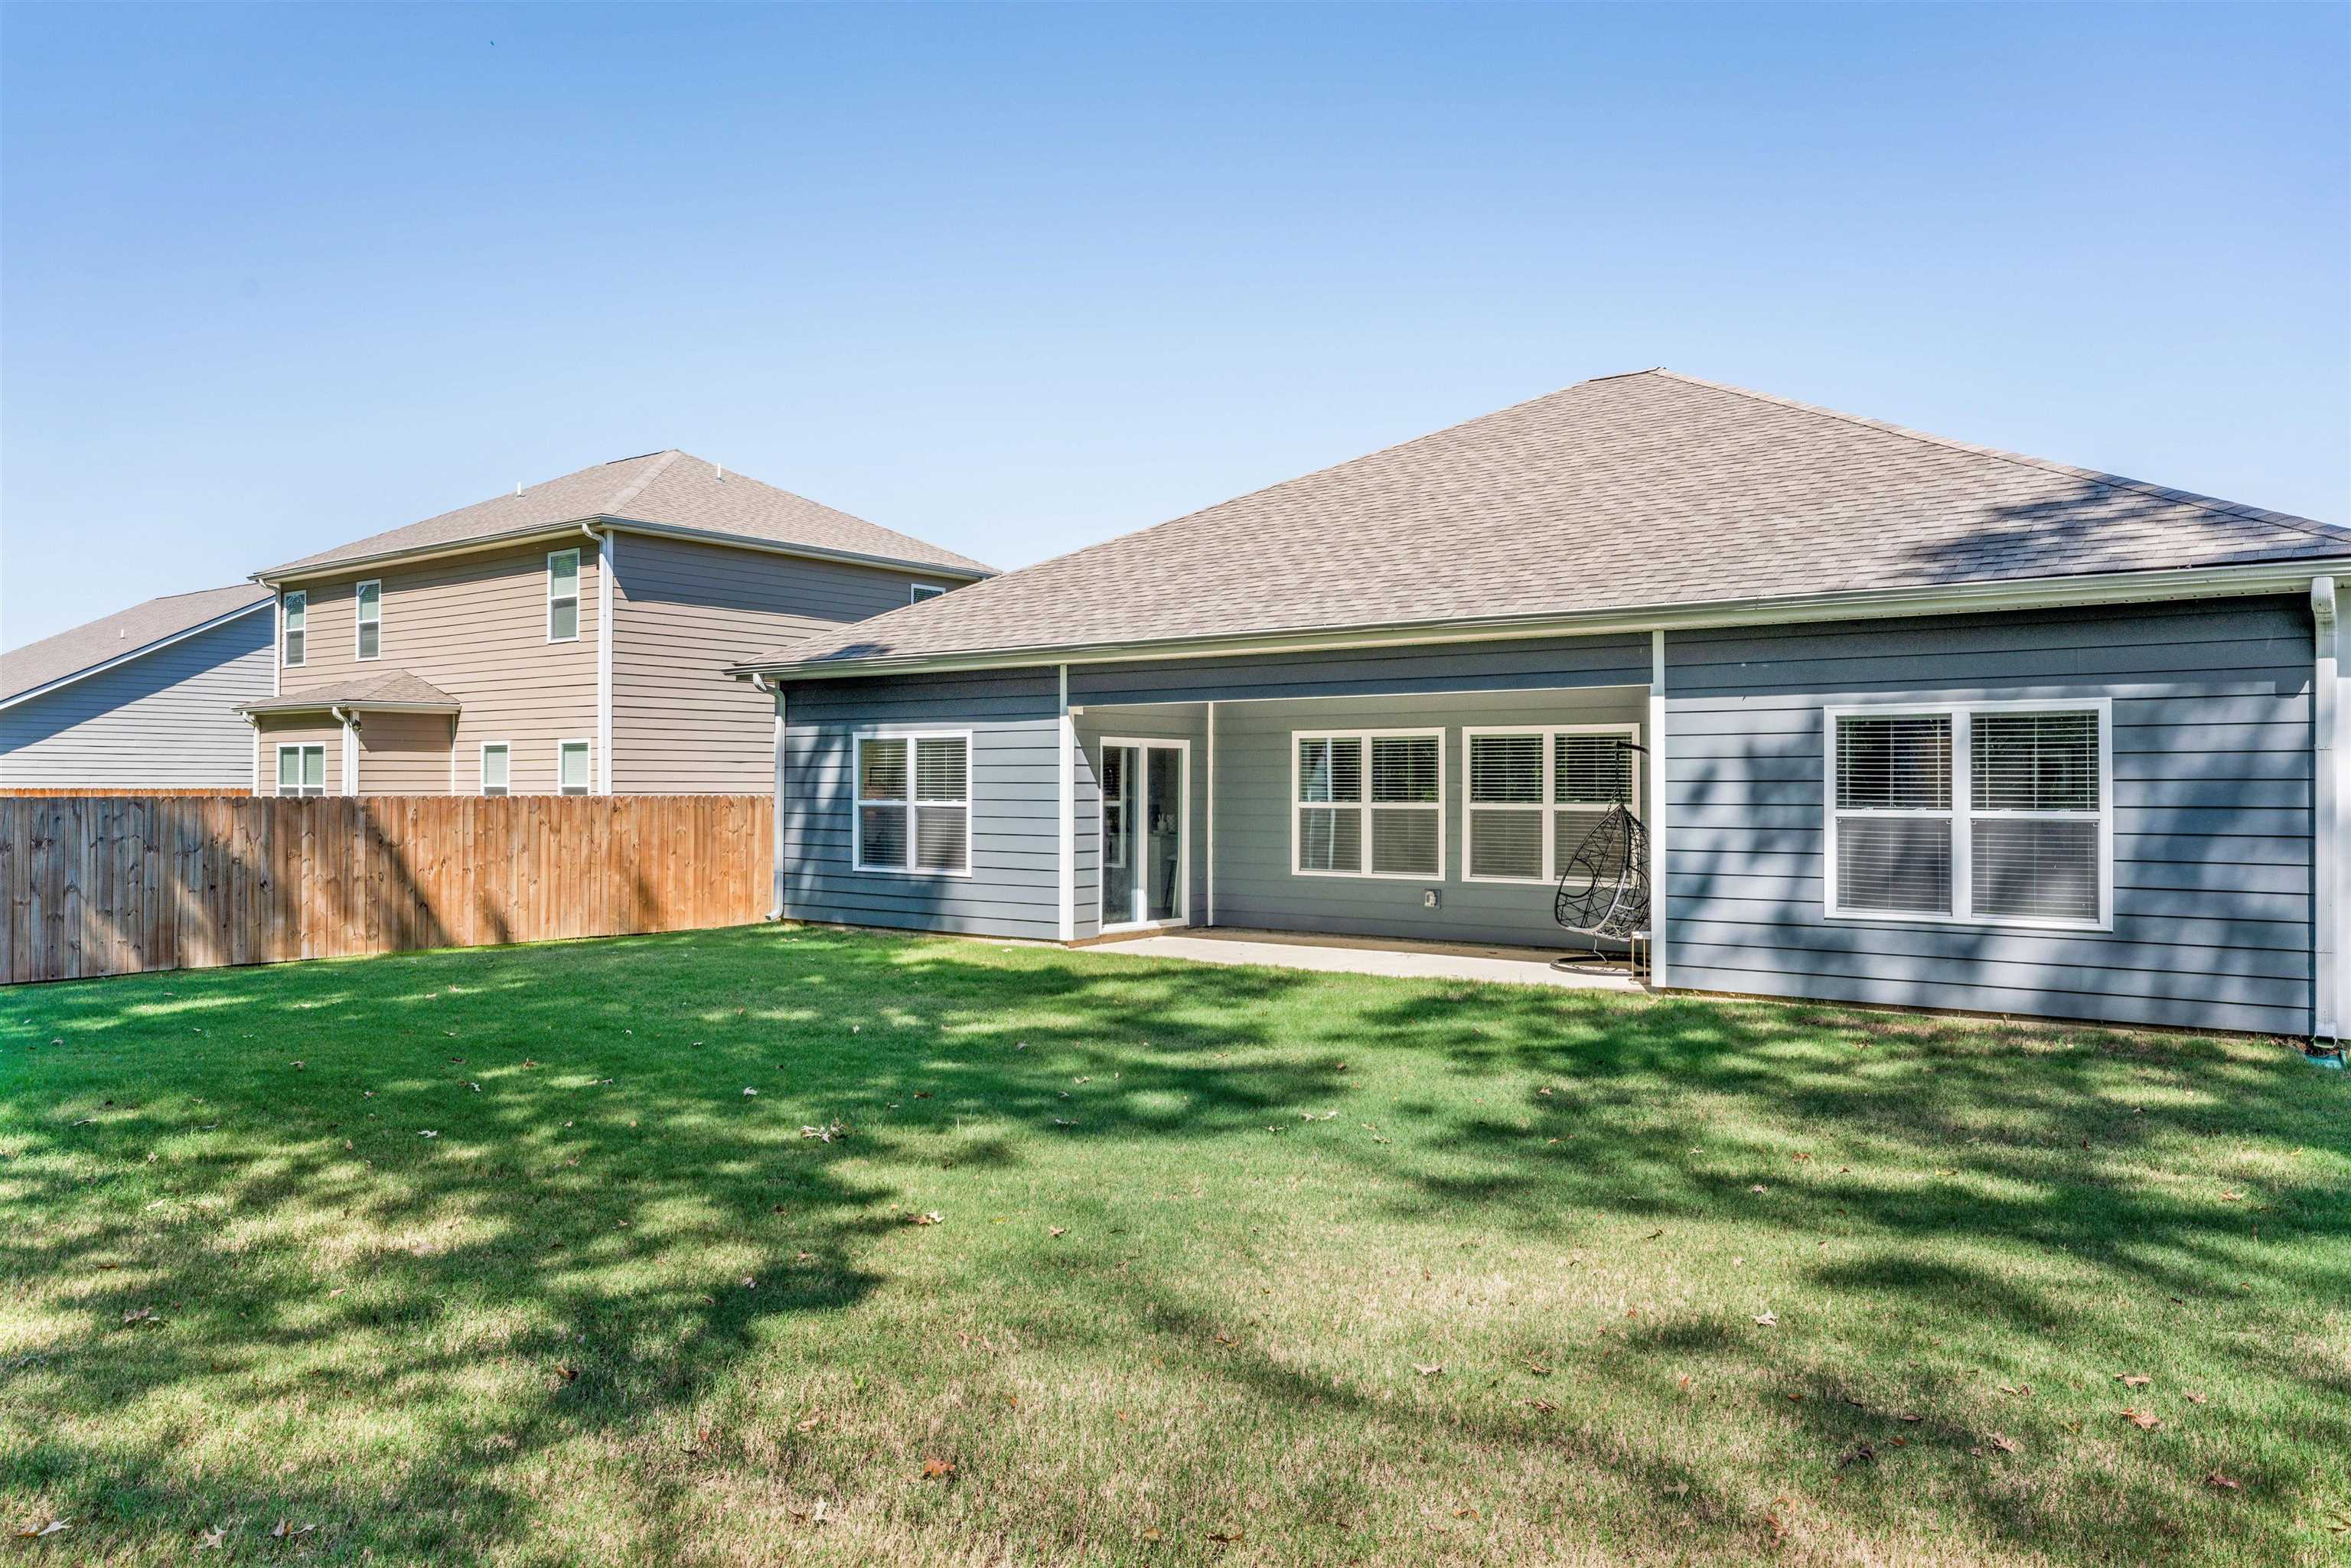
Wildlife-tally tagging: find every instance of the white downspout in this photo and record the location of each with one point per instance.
(1065, 730)
(2326, 803)
(255, 721)
(1659, 972)
(350, 749)
(608, 553)
(776, 874)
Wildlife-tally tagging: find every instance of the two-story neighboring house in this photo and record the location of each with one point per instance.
(570, 637)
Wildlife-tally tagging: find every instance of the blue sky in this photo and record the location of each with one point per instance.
(1016, 279)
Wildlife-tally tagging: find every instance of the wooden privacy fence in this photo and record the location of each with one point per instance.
(112, 884)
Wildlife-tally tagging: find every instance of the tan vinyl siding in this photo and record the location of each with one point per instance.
(475, 626)
(405, 754)
(682, 613)
(302, 731)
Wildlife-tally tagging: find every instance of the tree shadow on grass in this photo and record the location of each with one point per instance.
(606, 1228)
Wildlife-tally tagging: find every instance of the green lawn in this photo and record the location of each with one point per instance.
(532, 1255)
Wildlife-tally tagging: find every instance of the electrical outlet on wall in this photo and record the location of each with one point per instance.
(1428, 898)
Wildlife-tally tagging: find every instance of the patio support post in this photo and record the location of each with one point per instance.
(2326, 803)
(1659, 972)
(1209, 784)
(1066, 729)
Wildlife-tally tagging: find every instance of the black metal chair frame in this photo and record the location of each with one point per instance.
(1608, 905)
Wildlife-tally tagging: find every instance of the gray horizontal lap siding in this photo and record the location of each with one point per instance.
(2212, 813)
(163, 721)
(1015, 886)
(1535, 664)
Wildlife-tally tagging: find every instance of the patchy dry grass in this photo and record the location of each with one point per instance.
(1230, 1266)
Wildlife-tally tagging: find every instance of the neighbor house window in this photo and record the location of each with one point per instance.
(572, 766)
(1536, 793)
(562, 595)
(913, 803)
(371, 601)
(922, 591)
(1995, 813)
(496, 765)
(296, 612)
(1370, 804)
(301, 770)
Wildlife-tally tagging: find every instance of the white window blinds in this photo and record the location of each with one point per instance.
(913, 803)
(1369, 805)
(1992, 812)
(1536, 794)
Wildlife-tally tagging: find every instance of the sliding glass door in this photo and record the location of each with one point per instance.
(1142, 833)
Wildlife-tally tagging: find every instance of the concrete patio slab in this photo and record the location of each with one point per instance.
(1376, 955)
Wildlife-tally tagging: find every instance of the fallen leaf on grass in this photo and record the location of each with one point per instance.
(1151, 1533)
(2220, 1483)
(1540, 1407)
(2144, 1420)
(566, 1372)
(1057, 1229)
(933, 1218)
(1768, 1319)
(2020, 1388)
(815, 1515)
(2005, 1445)
(286, 1530)
(2133, 1379)
(2193, 1398)
(1907, 1416)
(35, 1532)
(1226, 1537)
(215, 1540)
(811, 1424)
(1864, 1455)
(1431, 1370)
(933, 1468)
(1757, 1188)
(139, 1315)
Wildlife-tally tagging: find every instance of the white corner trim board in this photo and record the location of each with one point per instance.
(2326, 816)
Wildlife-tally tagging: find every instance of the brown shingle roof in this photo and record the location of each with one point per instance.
(668, 487)
(141, 626)
(389, 689)
(1639, 491)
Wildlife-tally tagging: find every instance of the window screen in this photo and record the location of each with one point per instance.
(572, 767)
(1370, 805)
(913, 803)
(296, 612)
(371, 606)
(2034, 825)
(1506, 806)
(562, 595)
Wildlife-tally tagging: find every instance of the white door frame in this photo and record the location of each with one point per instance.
(1183, 917)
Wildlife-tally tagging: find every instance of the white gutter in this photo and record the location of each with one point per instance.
(278, 705)
(46, 687)
(1660, 965)
(2326, 820)
(2033, 593)
(1065, 730)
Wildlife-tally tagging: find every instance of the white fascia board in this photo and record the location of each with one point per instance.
(140, 652)
(2035, 593)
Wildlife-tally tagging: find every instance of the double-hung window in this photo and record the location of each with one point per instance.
(1368, 804)
(572, 766)
(1987, 813)
(371, 619)
(294, 611)
(497, 762)
(1536, 793)
(914, 804)
(301, 770)
(562, 595)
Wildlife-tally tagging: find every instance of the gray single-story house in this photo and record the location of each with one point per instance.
(139, 700)
(1921, 723)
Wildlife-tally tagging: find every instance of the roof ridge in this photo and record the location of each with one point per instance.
(631, 492)
(2212, 503)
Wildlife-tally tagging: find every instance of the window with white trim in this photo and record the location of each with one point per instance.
(913, 803)
(1368, 804)
(301, 770)
(294, 610)
(1534, 793)
(572, 766)
(497, 764)
(917, 593)
(1989, 813)
(562, 595)
(371, 619)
